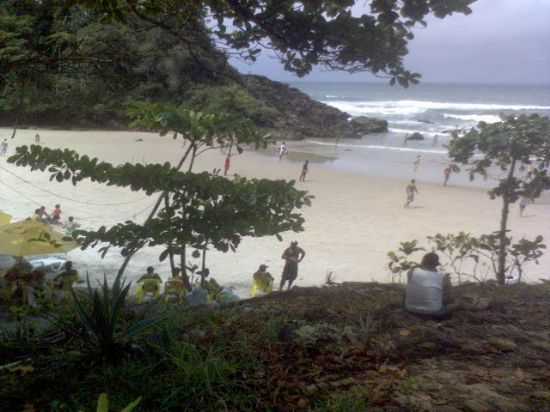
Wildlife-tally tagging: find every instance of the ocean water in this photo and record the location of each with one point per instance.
(431, 109)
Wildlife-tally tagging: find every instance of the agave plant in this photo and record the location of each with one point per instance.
(101, 312)
(103, 404)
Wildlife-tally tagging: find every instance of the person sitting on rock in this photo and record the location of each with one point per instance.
(148, 284)
(263, 282)
(428, 290)
(56, 215)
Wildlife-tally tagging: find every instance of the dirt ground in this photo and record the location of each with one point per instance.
(355, 338)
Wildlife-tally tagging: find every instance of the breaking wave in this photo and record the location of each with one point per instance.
(412, 107)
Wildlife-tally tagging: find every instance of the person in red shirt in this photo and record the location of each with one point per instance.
(56, 214)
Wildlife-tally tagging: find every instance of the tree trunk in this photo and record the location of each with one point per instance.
(170, 253)
(183, 264)
(203, 268)
(501, 269)
(153, 212)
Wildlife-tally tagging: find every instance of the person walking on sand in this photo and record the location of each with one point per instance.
(411, 191)
(305, 169)
(292, 256)
(283, 150)
(447, 175)
(227, 165)
(417, 163)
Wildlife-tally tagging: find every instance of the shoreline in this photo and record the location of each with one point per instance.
(354, 221)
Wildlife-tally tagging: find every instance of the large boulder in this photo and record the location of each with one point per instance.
(416, 136)
(366, 125)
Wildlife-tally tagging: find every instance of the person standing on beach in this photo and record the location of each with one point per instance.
(447, 174)
(523, 202)
(37, 138)
(305, 169)
(4, 147)
(283, 150)
(411, 192)
(417, 163)
(292, 256)
(227, 164)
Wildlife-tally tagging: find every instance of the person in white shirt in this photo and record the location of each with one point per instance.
(283, 150)
(428, 290)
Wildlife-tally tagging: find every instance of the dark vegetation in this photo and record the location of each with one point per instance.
(343, 348)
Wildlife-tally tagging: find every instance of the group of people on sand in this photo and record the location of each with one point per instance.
(54, 218)
(22, 284)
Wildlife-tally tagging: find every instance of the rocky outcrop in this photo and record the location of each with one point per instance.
(297, 116)
(366, 125)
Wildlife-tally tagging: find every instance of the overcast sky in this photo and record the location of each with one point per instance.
(502, 41)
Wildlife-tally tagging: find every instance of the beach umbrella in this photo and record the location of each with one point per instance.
(30, 237)
(4, 218)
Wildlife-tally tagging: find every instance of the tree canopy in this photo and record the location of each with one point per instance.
(327, 33)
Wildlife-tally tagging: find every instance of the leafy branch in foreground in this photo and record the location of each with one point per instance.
(517, 144)
(204, 210)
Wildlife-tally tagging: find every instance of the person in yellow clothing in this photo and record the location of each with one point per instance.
(263, 282)
(148, 284)
(66, 279)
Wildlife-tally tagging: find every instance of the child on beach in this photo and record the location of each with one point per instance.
(305, 169)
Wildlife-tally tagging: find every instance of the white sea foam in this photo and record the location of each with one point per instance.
(487, 118)
(380, 147)
(409, 122)
(411, 131)
(411, 107)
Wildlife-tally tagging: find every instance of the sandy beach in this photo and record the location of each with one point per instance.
(355, 219)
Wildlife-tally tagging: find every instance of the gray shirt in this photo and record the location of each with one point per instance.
(424, 292)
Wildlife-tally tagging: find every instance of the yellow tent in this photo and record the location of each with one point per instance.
(29, 237)
(4, 218)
